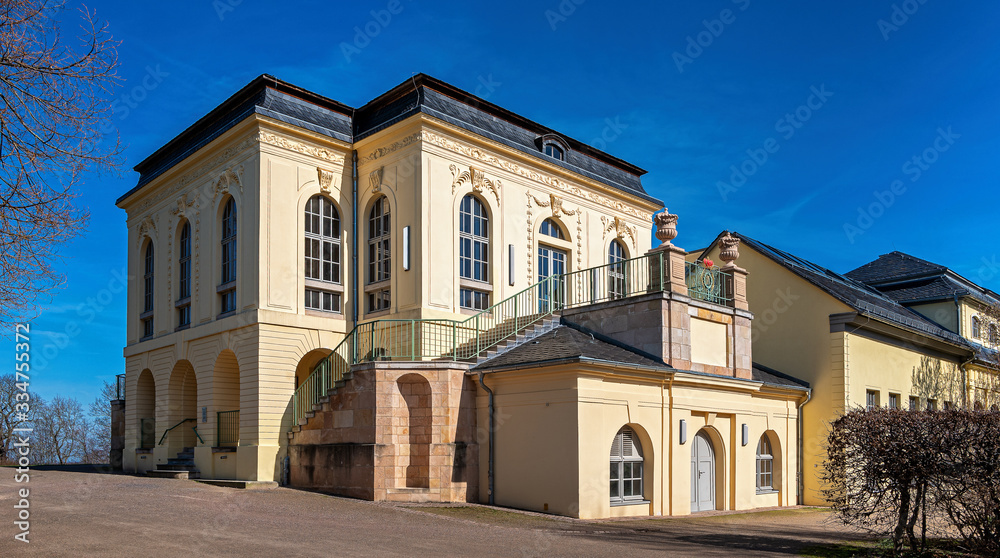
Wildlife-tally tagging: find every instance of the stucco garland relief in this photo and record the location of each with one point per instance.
(480, 155)
(375, 179)
(531, 239)
(556, 203)
(476, 178)
(146, 228)
(298, 147)
(326, 179)
(183, 203)
(620, 228)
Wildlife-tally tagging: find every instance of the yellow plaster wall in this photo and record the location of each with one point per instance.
(709, 342)
(943, 313)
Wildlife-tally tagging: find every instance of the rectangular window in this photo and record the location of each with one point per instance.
(474, 300)
(893, 400)
(147, 327)
(872, 400)
(914, 403)
(229, 301)
(184, 315)
(948, 405)
(932, 404)
(378, 300)
(323, 301)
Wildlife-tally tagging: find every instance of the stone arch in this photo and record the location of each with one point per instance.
(182, 404)
(308, 363)
(413, 432)
(145, 410)
(226, 399)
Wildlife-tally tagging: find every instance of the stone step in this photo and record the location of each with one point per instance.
(413, 495)
(169, 474)
(178, 467)
(243, 484)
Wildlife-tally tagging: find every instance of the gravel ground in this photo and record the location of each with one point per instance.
(79, 513)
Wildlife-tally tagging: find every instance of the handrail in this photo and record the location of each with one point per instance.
(447, 339)
(195, 428)
(167, 431)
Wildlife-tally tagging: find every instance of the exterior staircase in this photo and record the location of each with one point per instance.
(502, 340)
(180, 467)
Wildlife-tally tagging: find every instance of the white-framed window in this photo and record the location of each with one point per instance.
(977, 327)
(322, 254)
(626, 467)
(473, 252)
(765, 465)
(184, 277)
(894, 401)
(871, 399)
(554, 151)
(616, 270)
(227, 286)
(550, 228)
(379, 254)
(148, 284)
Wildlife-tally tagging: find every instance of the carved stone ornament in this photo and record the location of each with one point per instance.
(229, 178)
(325, 178)
(476, 178)
(147, 226)
(620, 228)
(182, 204)
(729, 249)
(555, 202)
(375, 179)
(666, 227)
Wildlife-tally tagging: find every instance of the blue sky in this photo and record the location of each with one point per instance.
(790, 122)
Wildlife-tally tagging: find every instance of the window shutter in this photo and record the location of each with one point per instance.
(616, 446)
(627, 447)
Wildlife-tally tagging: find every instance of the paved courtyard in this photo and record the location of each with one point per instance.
(76, 513)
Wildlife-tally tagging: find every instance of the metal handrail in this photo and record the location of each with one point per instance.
(167, 431)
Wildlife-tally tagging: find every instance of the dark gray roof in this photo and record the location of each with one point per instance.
(288, 103)
(771, 376)
(906, 278)
(565, 342)
(863, 298)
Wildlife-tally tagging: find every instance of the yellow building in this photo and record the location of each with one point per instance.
(897, 332)
(367, 302)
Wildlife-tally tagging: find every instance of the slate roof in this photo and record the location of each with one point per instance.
(771, 376)
(269, 96)
(565, 342)
(906, 278)
(859, 296)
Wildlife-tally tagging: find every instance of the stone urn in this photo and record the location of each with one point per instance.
(666, 227)
(729, 249)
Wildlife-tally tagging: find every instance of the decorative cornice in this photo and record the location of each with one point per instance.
(299, 147)
(383, 151)
(475, 177)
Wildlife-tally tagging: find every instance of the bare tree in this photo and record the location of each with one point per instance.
(934, 381)
(54, 107)
(13, 413)
(61, 430)
(98, 438)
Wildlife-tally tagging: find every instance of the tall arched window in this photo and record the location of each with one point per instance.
(379, 257)
(765, 465)
(227, 289)
(616, 270)
(977, 328)
(473, 253)
(147, 294)
(551, 263)
(184, 277)
(626, 467)
(322, 238)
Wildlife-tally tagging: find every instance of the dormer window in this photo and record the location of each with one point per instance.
(552, 146)
(554, 151)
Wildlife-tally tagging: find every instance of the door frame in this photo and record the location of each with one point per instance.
(713, 469)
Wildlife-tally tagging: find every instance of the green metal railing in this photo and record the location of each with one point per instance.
(412, 340)
(147, 433)
(194, 428)
(228, 428)
(709, 284)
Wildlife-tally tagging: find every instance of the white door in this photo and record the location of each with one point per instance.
(702, 474)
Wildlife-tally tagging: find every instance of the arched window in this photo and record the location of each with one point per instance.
(554, 151)
(976, 328)
(379, 259)
(550, 228)
(473, 253)
(322, 253)
(147, 294)
(227, 289)
(616, 270)
(184, 277)
(626, 467)
(765, 465)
